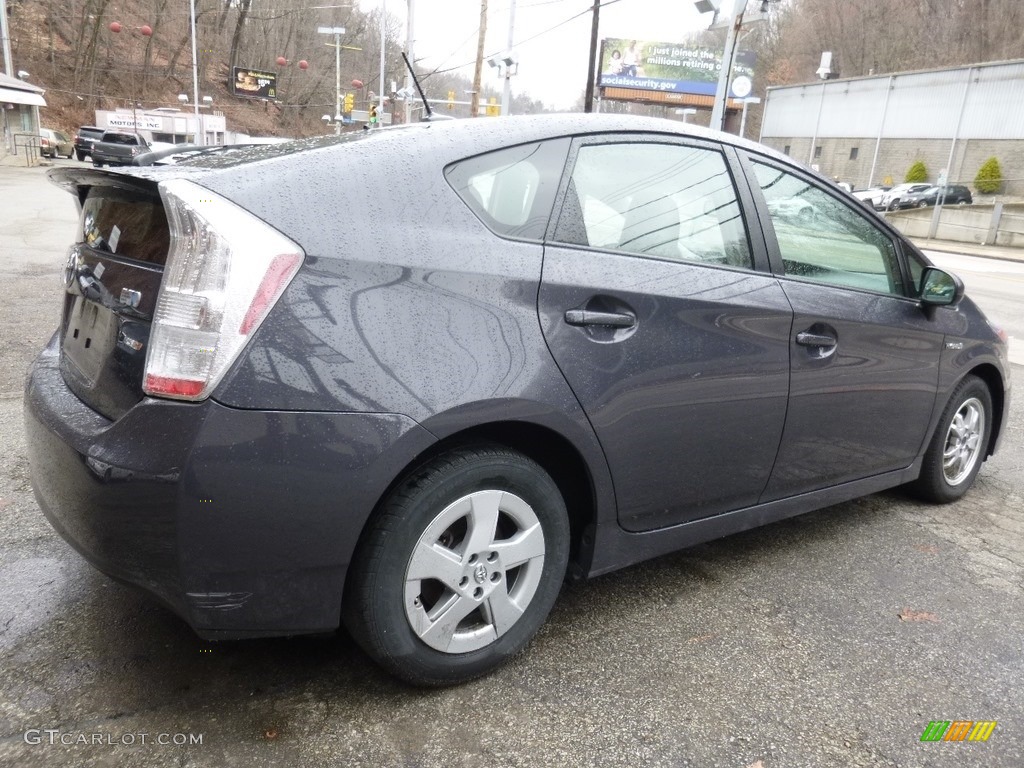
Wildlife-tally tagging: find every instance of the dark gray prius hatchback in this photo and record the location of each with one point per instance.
(411, 379)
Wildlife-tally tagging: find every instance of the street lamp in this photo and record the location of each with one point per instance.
(338, 121)
(507, 65)
(200, 128)
(337, 32)
(734, 25)
(511, 58)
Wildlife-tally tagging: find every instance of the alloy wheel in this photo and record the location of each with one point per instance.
(963, 441)
(474, 571)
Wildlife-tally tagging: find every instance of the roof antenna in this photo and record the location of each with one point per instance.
(415, 80)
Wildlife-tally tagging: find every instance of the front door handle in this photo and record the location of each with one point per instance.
(589, 317)
(809, 339)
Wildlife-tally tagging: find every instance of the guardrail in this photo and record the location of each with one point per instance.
(996, 223)
(32, 143)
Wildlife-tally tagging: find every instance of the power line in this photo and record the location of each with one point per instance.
(550, 29)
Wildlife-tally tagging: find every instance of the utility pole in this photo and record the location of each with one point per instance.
(383, 42)
(474, 102)
(200, 135)
(6, 38)
(588, 99)
(412, 60)
(337, 32)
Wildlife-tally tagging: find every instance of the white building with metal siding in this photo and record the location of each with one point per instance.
(867, 129)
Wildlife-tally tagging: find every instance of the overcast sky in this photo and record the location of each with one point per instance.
(553, 65)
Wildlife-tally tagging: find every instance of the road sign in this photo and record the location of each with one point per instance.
(741, 86)
(363, 116)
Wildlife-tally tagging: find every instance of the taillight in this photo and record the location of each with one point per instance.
(225, 271)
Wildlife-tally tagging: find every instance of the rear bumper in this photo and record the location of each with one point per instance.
(242, 521)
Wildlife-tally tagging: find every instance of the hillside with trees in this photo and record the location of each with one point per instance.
(70, 49)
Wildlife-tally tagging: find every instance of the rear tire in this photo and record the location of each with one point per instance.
(958, 446)
(460, 567)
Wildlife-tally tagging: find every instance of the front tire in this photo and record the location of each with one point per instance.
(958, 446)
(460, 567)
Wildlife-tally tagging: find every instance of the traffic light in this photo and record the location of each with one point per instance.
(451, 99)
(493, 108)
(350, 101)
(373, 114)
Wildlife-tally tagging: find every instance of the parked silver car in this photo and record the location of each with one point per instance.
(55, 144)
(891, 199)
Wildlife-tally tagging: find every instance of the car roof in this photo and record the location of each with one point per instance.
(453, 139)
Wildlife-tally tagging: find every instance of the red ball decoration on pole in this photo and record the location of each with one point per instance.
(281, 61)
(357, 83)
(115, 26)
(303, 64)
(146, 30)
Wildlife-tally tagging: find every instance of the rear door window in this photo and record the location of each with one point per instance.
(512, 190)
(665, 201)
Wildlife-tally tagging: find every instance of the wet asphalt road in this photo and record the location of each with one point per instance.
(779, 647)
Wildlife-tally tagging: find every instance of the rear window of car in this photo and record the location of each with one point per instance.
(125, 223)
(120, 138)
(512, 190)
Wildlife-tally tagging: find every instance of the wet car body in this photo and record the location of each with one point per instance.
(667, 400)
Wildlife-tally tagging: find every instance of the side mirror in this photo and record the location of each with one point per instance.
(940, 288)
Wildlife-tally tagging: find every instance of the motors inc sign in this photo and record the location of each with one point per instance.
(653, 66)
(136, 123)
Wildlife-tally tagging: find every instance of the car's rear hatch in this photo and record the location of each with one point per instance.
(111, 281)
(165, 284)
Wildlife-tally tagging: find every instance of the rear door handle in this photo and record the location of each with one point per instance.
(808, 339)
(589, 317)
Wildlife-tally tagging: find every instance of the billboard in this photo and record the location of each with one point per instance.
(651, 66)
(254, 83)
